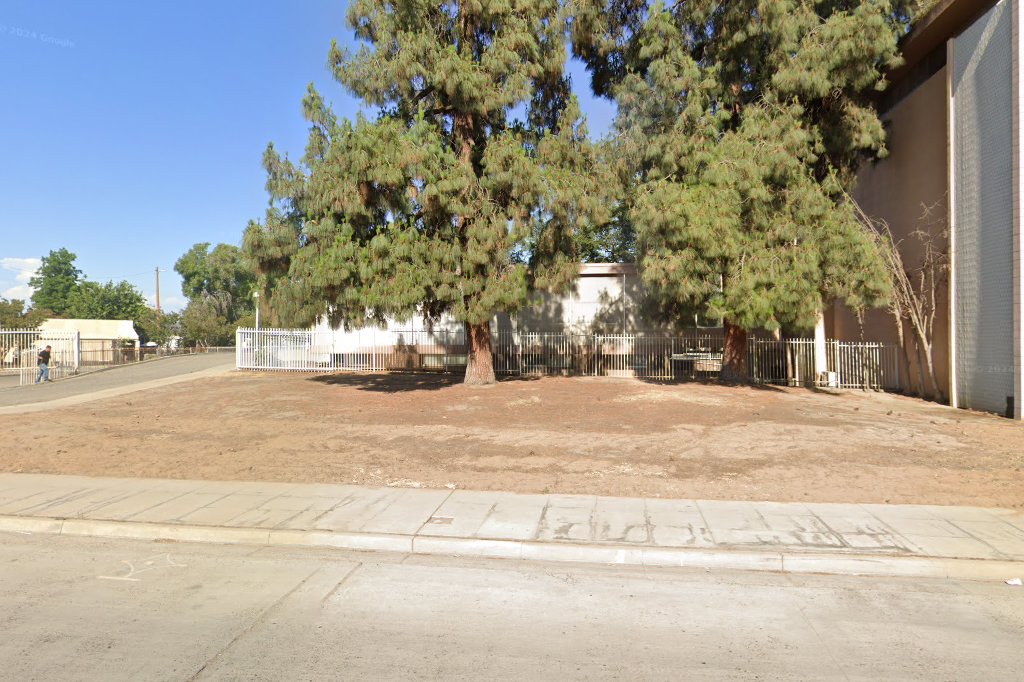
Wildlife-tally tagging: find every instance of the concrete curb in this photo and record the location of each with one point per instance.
(661, 557)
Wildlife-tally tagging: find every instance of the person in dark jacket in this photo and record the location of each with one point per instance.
(44, 365)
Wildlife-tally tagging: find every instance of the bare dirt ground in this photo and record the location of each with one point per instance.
(567, 435)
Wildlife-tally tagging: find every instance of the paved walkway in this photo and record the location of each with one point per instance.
(114, 381)
(830, 538)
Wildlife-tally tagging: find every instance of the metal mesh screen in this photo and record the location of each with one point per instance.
(983, 225)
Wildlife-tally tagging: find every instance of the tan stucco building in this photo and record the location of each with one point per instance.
(954, 172)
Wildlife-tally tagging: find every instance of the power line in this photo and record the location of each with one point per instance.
(111, 278)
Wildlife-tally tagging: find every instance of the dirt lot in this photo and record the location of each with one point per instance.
(569, 435)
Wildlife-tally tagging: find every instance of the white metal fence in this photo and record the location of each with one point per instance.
(71, 354)
(697, 354)
(12, 343)
(864, 364)
(19, 350)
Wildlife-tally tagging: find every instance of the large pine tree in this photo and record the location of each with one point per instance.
(442, 204)
(745, 122)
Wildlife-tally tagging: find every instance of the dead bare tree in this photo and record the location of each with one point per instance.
(915, 289)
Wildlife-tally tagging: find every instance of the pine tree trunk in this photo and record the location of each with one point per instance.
(734, 355)
(480, 361)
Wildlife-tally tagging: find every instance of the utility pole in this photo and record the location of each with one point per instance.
(158, 295)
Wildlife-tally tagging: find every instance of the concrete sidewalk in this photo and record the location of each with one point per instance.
(909, 540)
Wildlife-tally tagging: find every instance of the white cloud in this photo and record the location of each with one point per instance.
(23, 269)
(21, 291)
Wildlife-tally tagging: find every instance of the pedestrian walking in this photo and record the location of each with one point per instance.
(44, 365)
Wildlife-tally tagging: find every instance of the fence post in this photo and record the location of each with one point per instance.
(791, 362)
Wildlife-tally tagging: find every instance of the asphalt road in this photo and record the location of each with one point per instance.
(91, 609)
(116, 377)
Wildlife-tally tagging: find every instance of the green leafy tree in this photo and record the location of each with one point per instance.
(443, 204)
(158, 328)
(221, 276)
(54, 281)
(219, 284)
(14, 315)
(740, 124)
(110, 301)
(201, 323)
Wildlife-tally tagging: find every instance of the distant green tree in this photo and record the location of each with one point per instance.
(54, 281)
(219, 284)
(14, 315)
(444, 204)
(110, 301)
(201, 323)
(742, 123)
(158, 329)
(223, 276)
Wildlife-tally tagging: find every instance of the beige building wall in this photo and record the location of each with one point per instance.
(607, 298)
(908, 190)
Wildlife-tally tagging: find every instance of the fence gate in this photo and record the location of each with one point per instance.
(13, 342)
(19, 349)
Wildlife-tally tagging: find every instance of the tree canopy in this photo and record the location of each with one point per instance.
(54, 281)
(110, 301)
(219, 284)
(444, 204)
(13, 314)
(740, 125)
(62, 291)
(160, 328)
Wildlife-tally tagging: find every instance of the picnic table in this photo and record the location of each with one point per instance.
(702, 360)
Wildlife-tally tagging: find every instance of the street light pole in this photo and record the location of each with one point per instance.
(158, 296)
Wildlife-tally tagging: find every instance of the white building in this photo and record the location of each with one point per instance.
(605, 299)
(100, 341)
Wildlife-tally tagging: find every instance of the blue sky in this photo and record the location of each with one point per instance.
(131, 130)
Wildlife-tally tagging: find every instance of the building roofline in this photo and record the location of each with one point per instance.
(599, 269)
(947, 19)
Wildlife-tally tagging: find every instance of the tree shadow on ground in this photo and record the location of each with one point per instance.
(390, 382)
(681, 381)
(402, 382)
(835, 392)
